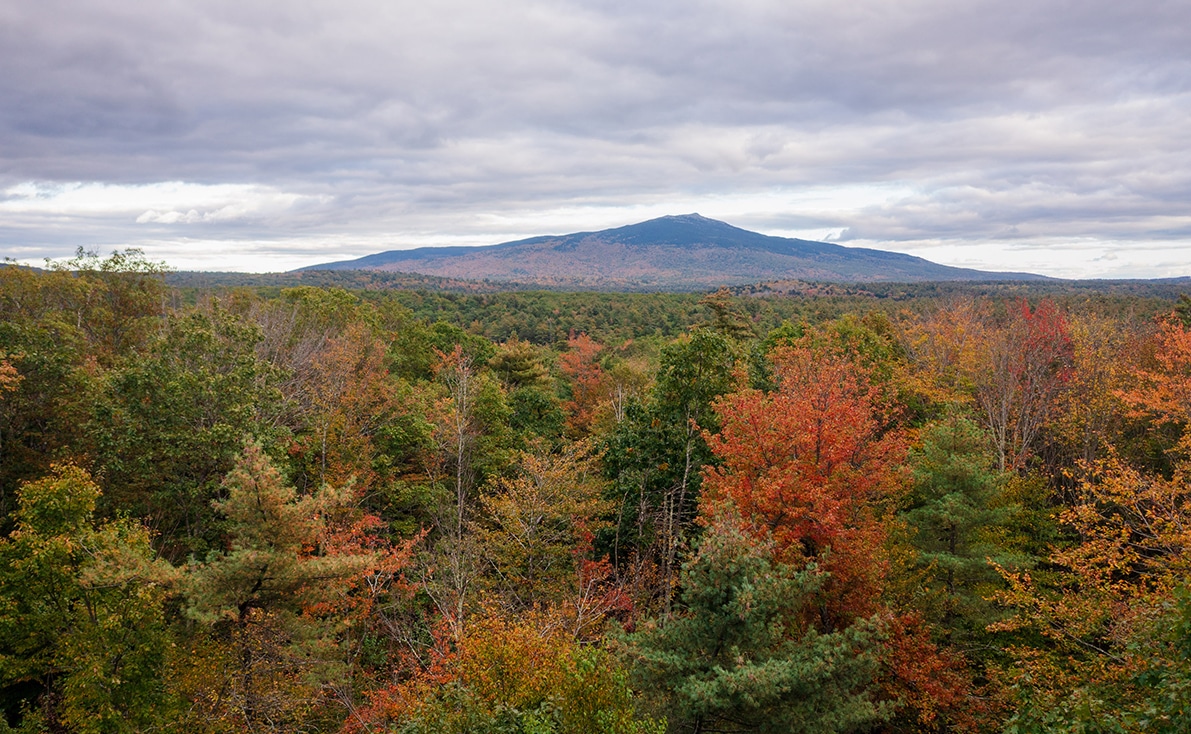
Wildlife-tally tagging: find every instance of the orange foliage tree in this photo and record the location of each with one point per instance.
(1097, 610)
(946, 349)
(1091, 411)
(816, 469)
(814, 465)
(9, 377)
(1090, 620)
(580, 365)
(1164, 390)
(501, 674)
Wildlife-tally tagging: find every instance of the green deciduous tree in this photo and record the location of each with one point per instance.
(163, 431)
(81, 621)
(58, 327)
(116, 301)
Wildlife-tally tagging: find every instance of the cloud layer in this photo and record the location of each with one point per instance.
(258, 135)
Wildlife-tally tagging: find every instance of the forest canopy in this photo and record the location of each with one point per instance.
(327, 508)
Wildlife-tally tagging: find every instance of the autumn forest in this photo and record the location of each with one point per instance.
(308, 508)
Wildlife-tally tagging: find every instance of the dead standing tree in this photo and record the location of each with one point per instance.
(457, 434)
(1029, 365)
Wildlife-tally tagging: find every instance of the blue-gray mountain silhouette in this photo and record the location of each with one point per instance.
(687, 251)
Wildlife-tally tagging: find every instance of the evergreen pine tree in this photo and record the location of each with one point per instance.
(739, 657)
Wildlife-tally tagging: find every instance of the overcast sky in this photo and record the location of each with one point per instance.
(1044, 135)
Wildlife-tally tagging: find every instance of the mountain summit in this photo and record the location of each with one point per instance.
(674, 252)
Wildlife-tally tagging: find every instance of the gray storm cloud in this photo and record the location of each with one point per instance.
(301, 132)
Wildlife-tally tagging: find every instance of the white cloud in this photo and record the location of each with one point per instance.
(167, 202)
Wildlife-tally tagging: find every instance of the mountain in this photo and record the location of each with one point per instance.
(668, 253)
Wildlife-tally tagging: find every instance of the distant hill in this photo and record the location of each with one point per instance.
(670, 253)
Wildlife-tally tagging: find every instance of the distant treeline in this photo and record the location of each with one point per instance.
(507, 310)
(380, 280)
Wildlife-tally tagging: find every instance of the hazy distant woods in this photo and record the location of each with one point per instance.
(318, 509)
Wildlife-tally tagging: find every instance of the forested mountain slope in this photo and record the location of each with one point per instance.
(677, 252)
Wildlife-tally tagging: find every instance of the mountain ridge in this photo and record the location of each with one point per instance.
(686, 251)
